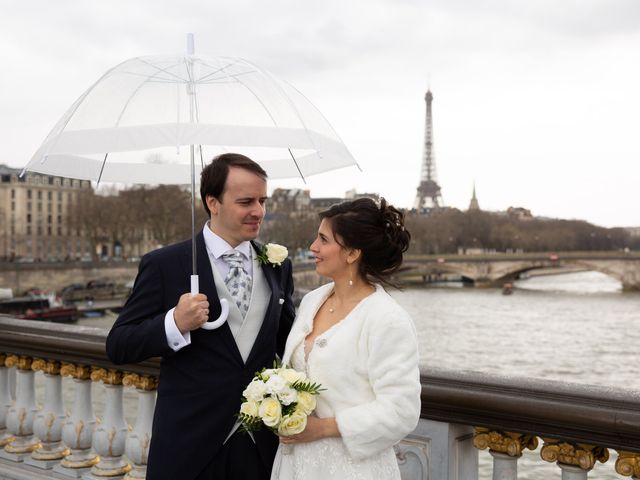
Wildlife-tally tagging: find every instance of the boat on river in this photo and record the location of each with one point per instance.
(38, 305)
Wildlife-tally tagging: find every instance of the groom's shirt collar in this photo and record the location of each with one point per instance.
(216, 245)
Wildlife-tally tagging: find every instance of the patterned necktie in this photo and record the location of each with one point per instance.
(238, 281)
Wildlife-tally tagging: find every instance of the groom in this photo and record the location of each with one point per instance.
(203, 372)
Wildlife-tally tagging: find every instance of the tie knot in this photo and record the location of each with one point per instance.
(233, 258)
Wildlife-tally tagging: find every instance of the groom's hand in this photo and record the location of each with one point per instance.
(191, 312)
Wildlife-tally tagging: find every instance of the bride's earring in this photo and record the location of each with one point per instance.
(350, 276)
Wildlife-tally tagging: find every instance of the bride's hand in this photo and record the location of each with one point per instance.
(316, 429)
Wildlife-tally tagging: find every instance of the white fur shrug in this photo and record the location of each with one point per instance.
(368, 363)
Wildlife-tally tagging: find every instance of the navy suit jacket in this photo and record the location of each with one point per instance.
(201, 385)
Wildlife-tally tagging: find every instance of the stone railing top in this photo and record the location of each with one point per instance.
(605, 416)
(70, 343)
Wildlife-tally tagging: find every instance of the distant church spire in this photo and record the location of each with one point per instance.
(474, 205)
(428, 195)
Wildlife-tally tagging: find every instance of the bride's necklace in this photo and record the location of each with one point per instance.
(331, 298)
(331, 307)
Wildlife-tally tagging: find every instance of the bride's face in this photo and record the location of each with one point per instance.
(330, 256)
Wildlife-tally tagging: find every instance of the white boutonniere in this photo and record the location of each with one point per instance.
(272, 254)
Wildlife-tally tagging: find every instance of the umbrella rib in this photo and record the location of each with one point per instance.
(102, 168)
(133, 94)
(292, 105)
(162, 70)
(73, 110)
(258, 99)
(219, 69)
(297, 166)
(321, 115)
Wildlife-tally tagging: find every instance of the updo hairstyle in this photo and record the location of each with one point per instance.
(376, 230)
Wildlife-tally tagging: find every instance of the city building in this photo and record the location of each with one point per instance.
(34, 216)
(519, 213)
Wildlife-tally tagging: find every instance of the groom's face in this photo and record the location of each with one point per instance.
(237, 216)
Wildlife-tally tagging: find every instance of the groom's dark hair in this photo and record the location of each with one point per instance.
(213, 178)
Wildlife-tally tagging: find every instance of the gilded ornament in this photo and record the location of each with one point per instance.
(141, 382)
(50, 367)
(80, 372)
(81, 463)
(580, 454)
(108, 377)
(21, 362)
(628, 463)
(511, 443)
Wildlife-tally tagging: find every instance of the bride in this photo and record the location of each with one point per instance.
(355, 340)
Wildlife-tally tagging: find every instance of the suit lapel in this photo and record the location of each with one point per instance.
(269, 320)
(208, 287)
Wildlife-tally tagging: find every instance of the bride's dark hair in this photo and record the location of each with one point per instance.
(377, 230)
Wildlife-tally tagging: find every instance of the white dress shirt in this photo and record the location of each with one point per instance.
(216, 246)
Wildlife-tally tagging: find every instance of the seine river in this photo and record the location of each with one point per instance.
(577, 327)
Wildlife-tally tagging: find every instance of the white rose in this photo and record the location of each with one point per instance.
(270, 411)
(268, 372)
(292, 376)
(287, 396)
(276, 254)
(255, 391)
(249, 408)
(306, 402)
(292, 424)
(276, 384)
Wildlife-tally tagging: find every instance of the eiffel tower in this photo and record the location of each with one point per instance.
(428, 195)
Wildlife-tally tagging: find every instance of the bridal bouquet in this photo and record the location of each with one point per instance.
(280, 398)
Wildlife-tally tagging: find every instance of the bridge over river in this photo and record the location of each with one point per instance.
(481, 270)
(494, 269)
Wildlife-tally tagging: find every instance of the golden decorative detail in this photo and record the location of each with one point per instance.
(20, 362)
(110, 472)
(511, 443)
(81, 372)
(6, 441)
(628, 463)
(13, 448)
(90, 462)
(50, 455)
(141, 382)
(580, 454)
(50, 367)
(108, 377)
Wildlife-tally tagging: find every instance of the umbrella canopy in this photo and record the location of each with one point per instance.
(129, 125)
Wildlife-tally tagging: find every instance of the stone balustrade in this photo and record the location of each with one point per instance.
(463, 413)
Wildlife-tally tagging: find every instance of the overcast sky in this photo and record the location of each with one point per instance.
(537, 102)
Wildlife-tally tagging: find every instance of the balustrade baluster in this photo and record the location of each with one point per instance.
(77, 431)
(137, 445)
(22, 412)
(110, 435)
(575, 461)
(5, 402)
(48, 423)
(506, 449)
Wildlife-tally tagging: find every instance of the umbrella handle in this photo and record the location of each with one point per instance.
(224, 306)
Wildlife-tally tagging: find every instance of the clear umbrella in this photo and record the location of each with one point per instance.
(130, 125)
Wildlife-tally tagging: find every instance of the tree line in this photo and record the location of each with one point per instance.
(162, 214)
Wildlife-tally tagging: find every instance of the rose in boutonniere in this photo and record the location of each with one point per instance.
(273, 254)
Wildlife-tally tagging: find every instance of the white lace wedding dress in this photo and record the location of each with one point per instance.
(368, 364)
